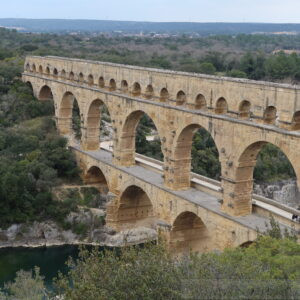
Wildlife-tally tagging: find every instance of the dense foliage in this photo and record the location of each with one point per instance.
(268, 269)
(33, 157)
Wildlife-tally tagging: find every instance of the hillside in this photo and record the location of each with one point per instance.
(62, 26)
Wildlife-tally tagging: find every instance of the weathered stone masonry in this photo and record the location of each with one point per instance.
(241, 116)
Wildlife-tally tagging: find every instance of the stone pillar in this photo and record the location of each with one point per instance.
(64, 125)
(237, 189)
(178, 174)
(124, 149)
(90, 140)
(112, 211)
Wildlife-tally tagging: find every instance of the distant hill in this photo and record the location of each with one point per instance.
(63, 26)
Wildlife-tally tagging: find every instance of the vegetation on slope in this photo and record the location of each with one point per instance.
(267, 269)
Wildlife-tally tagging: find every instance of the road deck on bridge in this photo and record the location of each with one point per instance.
(192, 195)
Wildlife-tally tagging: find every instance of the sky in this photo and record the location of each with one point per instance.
(267, 11)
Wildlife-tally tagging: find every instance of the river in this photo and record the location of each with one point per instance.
(50, 260)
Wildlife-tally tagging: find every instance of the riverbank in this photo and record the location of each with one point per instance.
(87, 229)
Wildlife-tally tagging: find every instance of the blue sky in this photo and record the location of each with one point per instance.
(276, 11)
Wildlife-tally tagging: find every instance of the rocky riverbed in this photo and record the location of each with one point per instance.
(49, 233)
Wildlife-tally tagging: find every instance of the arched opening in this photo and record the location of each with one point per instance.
(266, 170)
(188, 233)
(136, 89)
(34, 68)
(244, 109)
(27, 67)
(98, 127)
(221, 106)
(180, 98)
(296, 121)
(48, 71)
(95, 176)
(246, 244)
(139, 134)
(81, 78)
(270, 115)
(55, 72)
(135, 208)
(45, 94)
(112, 85)
(124, 86)
(200, 102)
(40, 69)
(164, 95)
(90, 80)
(63, 74)
(101, 82)
(71, 76)
(196, 151)
(69, 120)
(149, 93)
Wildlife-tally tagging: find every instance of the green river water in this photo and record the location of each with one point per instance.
(50, 260)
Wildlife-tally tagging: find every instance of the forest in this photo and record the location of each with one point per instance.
(108, 26)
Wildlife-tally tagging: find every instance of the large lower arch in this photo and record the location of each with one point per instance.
(127, 138)
(94, 176)
(243, 186)
(188, 233)
(135, 209)
(45, 93)
(179, 173)
(91, 135)
(65, 114)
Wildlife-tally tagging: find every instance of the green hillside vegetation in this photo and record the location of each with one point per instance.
(267, 269)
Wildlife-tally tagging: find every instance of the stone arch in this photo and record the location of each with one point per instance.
(81, 77)
(101, 82)
(221, 106)
(27, 67)
(243, 187)
(136, 89)
(48, 71)
(63, 73)
(91, 137)
(149, 92)
(164, 95)
(135, 208)
(127, 137)
(188, 233)
(33, 68)
(124, 86)
(95, 176)
(245, 109)
(65, 113)
(200, 102)
(246, 244)
(40, 69)
(182, 156)
(180, 98)
(296, 121)
(90, 80)
(45, 93)
(112, 85)
(55, 72)
(270, 115)
(71, 76)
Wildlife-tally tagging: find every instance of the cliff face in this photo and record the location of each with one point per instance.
(50, 233)
(86, 225)
(284, 191)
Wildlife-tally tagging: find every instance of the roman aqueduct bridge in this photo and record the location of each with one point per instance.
(241, 116)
